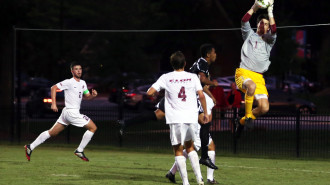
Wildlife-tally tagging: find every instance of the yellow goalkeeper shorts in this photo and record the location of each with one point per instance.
(241, 75)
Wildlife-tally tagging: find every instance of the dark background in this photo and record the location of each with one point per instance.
(109, 55)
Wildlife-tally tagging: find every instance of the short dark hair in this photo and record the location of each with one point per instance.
(74, 64)
(205, 49)
(262, 16)
(177, 60)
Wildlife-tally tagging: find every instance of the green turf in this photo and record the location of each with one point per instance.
(58, 165)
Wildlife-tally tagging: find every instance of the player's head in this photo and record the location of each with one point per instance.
(178, 60)
(208, 52)
(76, 69)
(263, 24)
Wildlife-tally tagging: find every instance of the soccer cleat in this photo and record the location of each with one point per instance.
(249, 123)
(28, 152)
(207, 162)
(200, 182)
(81, 155)
(212, 182)
(170, 177)
(121, 124)
(239, 128)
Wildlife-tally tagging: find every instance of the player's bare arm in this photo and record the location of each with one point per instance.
(204, 80)
(208, 92)
(151, 91)
(92, 95)
(53, 96)
(203, 102)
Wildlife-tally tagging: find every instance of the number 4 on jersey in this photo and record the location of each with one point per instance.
(182, 94)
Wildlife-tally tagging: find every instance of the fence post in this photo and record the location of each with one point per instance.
(120, 112)
(234, 127)
(298, 133)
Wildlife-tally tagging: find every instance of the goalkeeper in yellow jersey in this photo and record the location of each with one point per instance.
(255, 54)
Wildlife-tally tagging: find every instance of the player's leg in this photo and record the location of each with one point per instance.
(197, 144)
(193, 158)
(204, 135)
(91, 129)
(179, 133)
(262, 105)
(55, 130)
(250, 87)
(180, 161)
(210, 171)
(243, 80)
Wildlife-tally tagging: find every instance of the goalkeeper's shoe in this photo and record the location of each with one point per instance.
(249, 123)
(239, 128)
(81, 155)
(170, 177)
(28, 152)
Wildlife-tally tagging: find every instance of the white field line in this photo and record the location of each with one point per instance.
(64, 175)
(284, 169)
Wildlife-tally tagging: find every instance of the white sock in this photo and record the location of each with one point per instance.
(85, 140)
(181, 164)
(193, 157)
(40, 139)
(210, 171)
(174, 167)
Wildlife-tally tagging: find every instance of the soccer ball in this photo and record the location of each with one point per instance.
(263, 4)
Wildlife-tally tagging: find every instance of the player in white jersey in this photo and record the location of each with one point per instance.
(254, 62)
(74, 90)
(181, 112)
(159, 114)
(197, 145)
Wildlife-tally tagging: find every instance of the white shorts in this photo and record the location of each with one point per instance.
(197, 140)
(73, 117)
(181, 132)
(209, 104)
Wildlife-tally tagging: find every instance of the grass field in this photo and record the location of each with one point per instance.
(58, 165)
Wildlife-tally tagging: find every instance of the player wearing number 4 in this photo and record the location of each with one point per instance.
(74, 89)
(254, 62)
(182, 112)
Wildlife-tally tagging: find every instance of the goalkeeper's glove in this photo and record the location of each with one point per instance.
(255, 7)
(270, 9)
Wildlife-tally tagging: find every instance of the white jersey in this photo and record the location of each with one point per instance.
(180, 96)
(73, 92)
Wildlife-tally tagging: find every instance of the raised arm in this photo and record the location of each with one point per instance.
(245, 25)
(271, 18)
(249, 13)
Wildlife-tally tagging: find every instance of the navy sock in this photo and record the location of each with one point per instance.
(204, 134)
